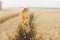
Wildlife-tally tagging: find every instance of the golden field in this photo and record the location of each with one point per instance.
(46, 24)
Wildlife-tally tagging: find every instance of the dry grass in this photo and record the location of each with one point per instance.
(9, 29)
(5, 15)
(46, 24)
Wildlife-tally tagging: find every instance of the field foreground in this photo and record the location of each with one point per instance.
(46, 24)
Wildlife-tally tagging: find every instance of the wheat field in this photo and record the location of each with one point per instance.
(46, 24)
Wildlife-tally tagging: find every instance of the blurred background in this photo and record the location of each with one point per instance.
(30, 3)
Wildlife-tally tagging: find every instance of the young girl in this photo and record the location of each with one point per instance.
(26, 28)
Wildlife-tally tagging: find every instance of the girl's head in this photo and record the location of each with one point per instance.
(25, 9)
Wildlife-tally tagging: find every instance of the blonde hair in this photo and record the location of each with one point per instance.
(25, 9)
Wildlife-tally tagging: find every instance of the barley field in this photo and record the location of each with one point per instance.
(46, 24)
(5, 15)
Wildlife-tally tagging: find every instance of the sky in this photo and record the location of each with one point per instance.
(30, 3)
